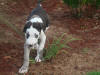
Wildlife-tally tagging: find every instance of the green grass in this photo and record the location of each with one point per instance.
(53, 48)
(93, 73)
(57, 44)
(32, 60)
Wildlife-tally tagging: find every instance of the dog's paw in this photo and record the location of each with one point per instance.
(37, 59)
(23, 69)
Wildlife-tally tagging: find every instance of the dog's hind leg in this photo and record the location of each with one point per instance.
(39, 56)
(25, 65)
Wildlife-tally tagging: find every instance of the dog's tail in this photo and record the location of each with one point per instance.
(39, 2)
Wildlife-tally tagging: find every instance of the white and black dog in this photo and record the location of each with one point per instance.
(35, 28)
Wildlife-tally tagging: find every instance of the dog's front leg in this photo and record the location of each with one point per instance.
(25, 65)
(39, 56)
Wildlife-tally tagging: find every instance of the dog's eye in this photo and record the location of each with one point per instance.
(27, 35)
(36, 36)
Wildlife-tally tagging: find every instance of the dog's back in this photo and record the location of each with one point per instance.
(41, 13)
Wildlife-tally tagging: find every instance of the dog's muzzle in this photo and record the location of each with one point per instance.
(35, 46)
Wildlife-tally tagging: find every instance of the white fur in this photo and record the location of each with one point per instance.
(36, 19)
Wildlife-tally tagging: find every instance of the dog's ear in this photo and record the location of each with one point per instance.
(27, 25)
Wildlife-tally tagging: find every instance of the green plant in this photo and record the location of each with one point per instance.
(93, 73)
(32, 60)
(72, 3)
(53, 48)
(77, 6)
(58, 44)
(97, 3)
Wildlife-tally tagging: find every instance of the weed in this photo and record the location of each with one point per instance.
(32, 60)
(54, 47)
(93, 73)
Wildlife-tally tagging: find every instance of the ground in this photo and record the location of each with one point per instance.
(83, 55)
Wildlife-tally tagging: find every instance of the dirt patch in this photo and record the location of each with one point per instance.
(10, 57)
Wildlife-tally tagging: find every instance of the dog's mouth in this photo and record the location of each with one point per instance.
(30, 46)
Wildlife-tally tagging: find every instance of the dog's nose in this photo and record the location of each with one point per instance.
(30, 45)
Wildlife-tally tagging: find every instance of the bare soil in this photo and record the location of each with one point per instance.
(83, 57)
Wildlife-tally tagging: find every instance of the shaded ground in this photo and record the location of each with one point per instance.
(84, 55)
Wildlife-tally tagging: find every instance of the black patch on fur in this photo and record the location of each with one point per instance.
(39, 41)
(27, 35)
(37, 25)
(36, 36)
(27, 25)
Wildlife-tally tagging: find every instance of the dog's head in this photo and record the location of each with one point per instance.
(32, 33)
